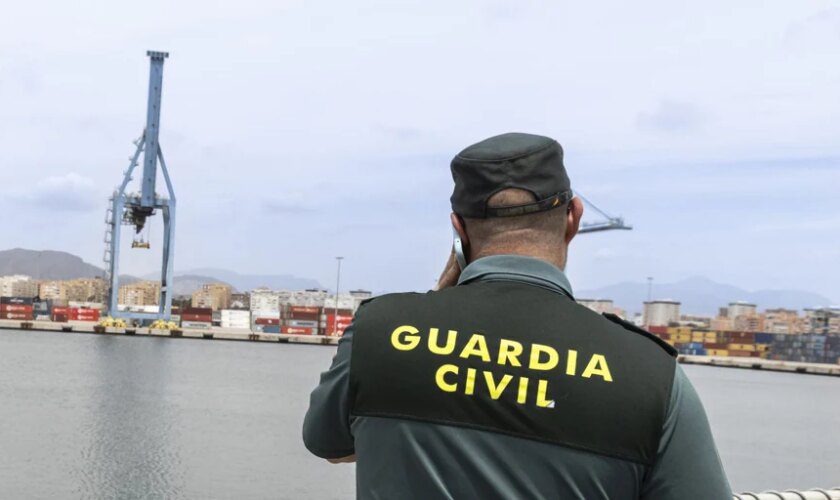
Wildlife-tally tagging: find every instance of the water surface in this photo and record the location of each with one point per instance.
(89, 416)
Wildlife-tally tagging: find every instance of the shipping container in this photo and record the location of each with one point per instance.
(741, 347)
(742, 354)
(301, 323)
(295, 330)
(198, 311)
(20, 301)
(16, 308)
(18, 316)
(270, 329)
(202, 318)
(303, 309)
(267, 321)
(763, 338)
(196, 324)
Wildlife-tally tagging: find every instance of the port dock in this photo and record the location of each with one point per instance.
(219, 333)
(761, 364)
(212, 333)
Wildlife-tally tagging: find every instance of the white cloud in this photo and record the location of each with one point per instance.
(69, 192)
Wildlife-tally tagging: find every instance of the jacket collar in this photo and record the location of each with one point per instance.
(517, 268)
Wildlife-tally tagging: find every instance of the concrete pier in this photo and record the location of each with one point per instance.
(762, 364)
(218, 333)
(214, 333)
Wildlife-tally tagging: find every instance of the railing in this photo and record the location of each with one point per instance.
(814, 494)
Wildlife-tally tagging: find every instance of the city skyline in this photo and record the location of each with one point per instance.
(286, 150)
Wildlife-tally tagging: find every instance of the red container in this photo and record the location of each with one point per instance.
(267, 321)
(197, 311)
(742, 337)
(85, 314)
(303, 316)
(304, 309)
(15, 308)
(658, 330)
(337, 328)
(715, 345)
(16, 315)
(297, 330)
(201, 318)
(743, 354)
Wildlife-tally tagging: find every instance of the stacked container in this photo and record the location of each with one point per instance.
(65, 314)
(197, 317)
(811, 348)
(19, 308)
(301, 320)
(233, 318)
(331, 326)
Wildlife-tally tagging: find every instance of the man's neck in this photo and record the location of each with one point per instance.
(553, 256)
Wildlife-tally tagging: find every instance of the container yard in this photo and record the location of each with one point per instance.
(804, 347)
(311, 317)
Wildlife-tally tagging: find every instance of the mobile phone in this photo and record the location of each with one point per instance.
(458, 247)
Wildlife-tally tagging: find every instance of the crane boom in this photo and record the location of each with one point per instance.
(608, 223)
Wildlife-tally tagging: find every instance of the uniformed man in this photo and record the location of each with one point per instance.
(498, 384)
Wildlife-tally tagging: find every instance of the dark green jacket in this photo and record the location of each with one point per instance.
(399, 458)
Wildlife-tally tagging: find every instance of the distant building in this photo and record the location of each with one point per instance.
(600, 306)
(141, 293)
(741, 309)
(722, 324)
(661, 312)
(213, 295)
(87, 290)
(18, 285)
(53, 290)
(346, 300)
(694, 321)
(264, 303)
(748, 324)
(782, 321)
(823, 320)
(240, 301)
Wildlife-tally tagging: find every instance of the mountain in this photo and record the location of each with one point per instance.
(186, 284)
(700, 295)
(247, 282)
(46, 265)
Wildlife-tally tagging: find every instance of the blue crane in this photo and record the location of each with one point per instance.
(133, 209)
(607, 223)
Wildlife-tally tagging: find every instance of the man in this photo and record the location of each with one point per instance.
(499, 385)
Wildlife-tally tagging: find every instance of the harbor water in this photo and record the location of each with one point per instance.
(92, 416)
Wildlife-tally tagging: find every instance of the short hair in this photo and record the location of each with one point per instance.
(540, 227)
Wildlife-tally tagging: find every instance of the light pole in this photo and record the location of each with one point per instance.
(337, 284)
(650, 287)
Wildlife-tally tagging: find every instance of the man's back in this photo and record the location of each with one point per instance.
(505, 387)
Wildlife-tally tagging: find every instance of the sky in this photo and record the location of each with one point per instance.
(298, 131)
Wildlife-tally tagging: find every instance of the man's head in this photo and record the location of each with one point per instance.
(512, 196)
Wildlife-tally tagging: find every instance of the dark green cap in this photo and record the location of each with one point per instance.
(514, 160)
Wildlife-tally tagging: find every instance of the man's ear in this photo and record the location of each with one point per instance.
(458, 225)
(573, 215)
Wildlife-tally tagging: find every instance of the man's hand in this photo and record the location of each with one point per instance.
(451, 273)
(349, 459)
